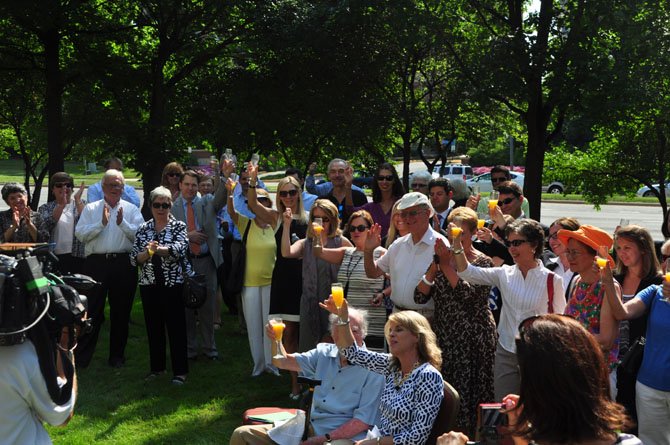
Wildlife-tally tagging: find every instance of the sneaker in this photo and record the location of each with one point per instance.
(178, 380)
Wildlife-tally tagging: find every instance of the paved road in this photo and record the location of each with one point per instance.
(607, 218)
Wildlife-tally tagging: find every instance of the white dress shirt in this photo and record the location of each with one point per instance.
(112, 238)
(407, 262)
(522, 298)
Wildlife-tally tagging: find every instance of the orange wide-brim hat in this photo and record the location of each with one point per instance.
(591, 236)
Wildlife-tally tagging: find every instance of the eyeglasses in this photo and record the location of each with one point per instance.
(574, 253)
(114, 186)
(361, 228)
(285, 193)
(419, 186)
(410, 213)
(505, 201)
(388, 178)
(174, 175)
(161, 205)
(501, 179)
(515, 243)
(64, 184)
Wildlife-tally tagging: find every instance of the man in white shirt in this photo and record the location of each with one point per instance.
(408, 257)
(95, 193)
(107, 228)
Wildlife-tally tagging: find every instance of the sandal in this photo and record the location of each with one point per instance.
(178, 380)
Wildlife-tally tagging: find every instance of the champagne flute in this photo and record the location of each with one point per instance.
(228, 155)
(254, 159)
(475, 190)
(234, 178)
(151, 248)
(317, 226)
(337, 292)
(278, 327)
(456, 228)
(493, 199)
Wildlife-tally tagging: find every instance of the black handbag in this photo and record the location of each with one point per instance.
(632, 360)
(195, 290)
(235, 278)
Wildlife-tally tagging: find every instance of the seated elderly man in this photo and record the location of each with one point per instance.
(344, 404)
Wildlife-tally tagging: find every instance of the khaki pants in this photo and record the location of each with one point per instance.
(258, 435)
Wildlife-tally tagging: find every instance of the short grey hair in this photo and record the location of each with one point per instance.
(360, 315)
(12, 187)
(336, 161)
(111, 173)
(423, 174)
(160, 192)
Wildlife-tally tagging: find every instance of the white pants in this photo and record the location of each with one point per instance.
(653, 414)
(256, 306)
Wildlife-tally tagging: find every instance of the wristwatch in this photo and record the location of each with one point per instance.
(327, 436)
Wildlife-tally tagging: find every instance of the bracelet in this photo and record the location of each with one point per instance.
(458, 251)
(342, 323)
(327, 436)
(252, 186)
(425, 280)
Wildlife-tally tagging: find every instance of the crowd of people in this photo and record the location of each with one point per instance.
(445, 286)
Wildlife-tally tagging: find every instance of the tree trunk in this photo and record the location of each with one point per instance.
(532, 187)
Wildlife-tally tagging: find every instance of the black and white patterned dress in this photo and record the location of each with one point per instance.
(408, 412)
(174, 237)
(466, 333)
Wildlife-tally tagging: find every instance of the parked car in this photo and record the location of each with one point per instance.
(453, 171)
(363, 179)
(484, 181)
(555, 187)
(646, 191)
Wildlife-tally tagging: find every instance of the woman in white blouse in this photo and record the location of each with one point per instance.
(527, 288)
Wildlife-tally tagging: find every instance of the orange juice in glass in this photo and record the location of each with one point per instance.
(493, 199)
(278, 328)
(601, 262)
(455, 231)
(481, 223)
(317, 227)
(151, 249)
(337, 292)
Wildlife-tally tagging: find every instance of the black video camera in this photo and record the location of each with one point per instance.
(30, 293)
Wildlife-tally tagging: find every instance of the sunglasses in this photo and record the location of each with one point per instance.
(174, 175)
(410, 213)
(495, 180)
(361, 228)
(515, 243)
(388, 178)
(285, 193)
(506, 201)
(419, 186)
(64, 184)
(161, 205)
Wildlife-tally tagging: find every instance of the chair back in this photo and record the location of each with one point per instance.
(446, 416)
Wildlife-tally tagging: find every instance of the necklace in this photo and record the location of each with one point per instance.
(399, 378)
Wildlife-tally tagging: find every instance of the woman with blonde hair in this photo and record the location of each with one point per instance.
(317, 274)
(287, 275)
(398, 227)
(172, 173)
(413, 389)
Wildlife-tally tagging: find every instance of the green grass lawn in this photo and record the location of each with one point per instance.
(13, 170)
(116, 406)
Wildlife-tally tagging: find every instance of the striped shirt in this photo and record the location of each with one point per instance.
(522, 298)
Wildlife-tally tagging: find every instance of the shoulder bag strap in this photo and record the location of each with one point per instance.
(246, 233)
(550, 292)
